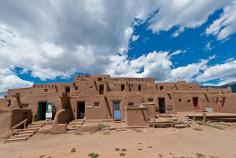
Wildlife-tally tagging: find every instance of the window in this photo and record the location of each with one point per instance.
(67, 89)
(161, 88)
(180, 99)
(96, 104)
(45, 90)
(122, 87)
(150, 99)
(131, 104)
(99, 79)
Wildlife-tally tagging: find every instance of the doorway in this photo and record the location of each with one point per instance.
(162, 106)
(42, 108)
(195, 103)
(101, 89)
(116, 111)
(80, 110)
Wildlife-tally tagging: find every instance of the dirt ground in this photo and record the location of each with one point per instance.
(200, 140)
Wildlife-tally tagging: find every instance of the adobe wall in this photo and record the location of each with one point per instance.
(91, 111)
(5, 104)
(154, 98)
(184, 100)
(31, 100)
(19, 115)
(131, 92)
(228, 105)
(136, 116)
(5, 122)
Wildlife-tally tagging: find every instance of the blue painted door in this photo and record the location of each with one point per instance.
(117, 113)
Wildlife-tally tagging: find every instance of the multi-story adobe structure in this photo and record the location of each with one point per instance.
(105, 97)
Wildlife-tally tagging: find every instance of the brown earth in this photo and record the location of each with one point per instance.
(199, 141)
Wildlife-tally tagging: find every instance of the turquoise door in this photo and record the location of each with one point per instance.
(117, 113)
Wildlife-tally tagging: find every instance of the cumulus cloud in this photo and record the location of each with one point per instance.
(158, 65)
(9, 80)
(56, 38)
(225, 72)
(154, 64)
(183, 14)
(225, 26)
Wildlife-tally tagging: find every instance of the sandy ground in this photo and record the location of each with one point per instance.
(197, 141)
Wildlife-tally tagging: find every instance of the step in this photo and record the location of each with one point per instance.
(75, 124)
(18, 130)
(24, 135)
(71, 128)
(32, 128)
(38, 123)
(26, 132)
(33, 125)
(15, 139)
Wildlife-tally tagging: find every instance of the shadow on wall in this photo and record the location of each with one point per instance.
(5, 122)
(10, 118)
(64, 115)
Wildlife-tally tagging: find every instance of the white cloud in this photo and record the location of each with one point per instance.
(58, 38)
(225, 26)
(55, 38)
(183, 14)
(225, 72)
(187, 73)
(154, 64)
(208, 46)
(134, 38)
(157, 65)
(9, 80)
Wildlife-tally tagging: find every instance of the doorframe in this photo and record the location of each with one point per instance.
(113, 103)
(40, 102)
(78, 110)
(164, 108)
(197, 107)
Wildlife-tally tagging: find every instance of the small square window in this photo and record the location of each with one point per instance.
(45, 90)
(131, 104)
(161, 88)
(99, 79)
(67, 89)
(150, 99)
(96, 104)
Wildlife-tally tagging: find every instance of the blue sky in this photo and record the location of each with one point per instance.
(169, 40)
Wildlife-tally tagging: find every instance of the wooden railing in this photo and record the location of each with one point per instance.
(18, 125)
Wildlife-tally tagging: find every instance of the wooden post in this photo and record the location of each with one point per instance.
(204, 117)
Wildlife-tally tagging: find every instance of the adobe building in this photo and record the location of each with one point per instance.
(122, 99)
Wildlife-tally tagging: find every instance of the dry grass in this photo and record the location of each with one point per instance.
(199, 155)
(93, 155)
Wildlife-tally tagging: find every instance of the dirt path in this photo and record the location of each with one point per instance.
(197, 141)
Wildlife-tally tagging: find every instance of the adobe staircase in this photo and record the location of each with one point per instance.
(75, 124)
(25, 134)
